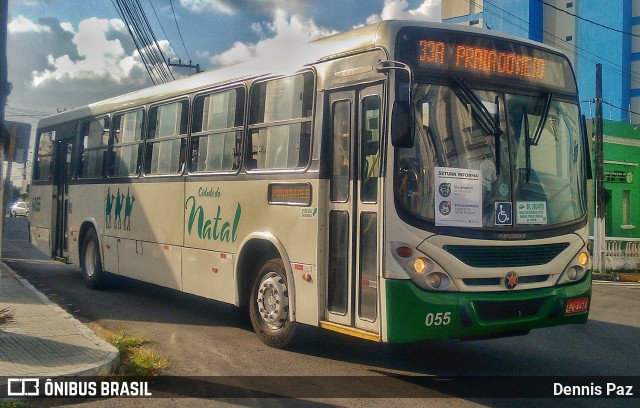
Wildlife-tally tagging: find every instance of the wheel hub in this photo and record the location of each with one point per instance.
(273, 300)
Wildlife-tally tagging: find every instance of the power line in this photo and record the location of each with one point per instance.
(22, 115)
(563, 44)
(588, 20)
(27, 111)
(570, 48)
(622, 109)
(178, 27)
(120, 10)
(150, 45)
(132, 13)
(161, 26)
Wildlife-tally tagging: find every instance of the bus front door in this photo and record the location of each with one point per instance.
(354, 197)
(63, 170)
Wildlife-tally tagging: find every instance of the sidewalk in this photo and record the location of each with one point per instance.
(44, 340)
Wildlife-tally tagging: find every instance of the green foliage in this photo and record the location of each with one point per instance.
(14, 405)
(6, 316)
(605, 276)
(136, 358)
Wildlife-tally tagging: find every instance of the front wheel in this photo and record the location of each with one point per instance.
(91, 263)
(269, 305)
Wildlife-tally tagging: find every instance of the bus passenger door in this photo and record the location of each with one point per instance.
(63, 173)
(353, 264)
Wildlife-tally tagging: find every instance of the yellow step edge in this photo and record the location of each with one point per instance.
(350, 331)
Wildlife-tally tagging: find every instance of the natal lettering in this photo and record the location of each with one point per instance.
(216, 229)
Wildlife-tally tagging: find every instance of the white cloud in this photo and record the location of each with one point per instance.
(21, 24)
(199, 6)
(32, 3)
(68, 27)
(399, 10)
(234, 7)
(99, 57)
(285, 31)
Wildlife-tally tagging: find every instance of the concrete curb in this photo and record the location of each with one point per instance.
(104, 366)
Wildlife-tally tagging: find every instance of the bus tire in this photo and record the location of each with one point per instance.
(91, 262)
(269, 305)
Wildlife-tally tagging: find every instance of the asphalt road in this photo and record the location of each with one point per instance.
(207, 338)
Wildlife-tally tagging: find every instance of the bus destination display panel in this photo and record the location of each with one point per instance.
(491, 58)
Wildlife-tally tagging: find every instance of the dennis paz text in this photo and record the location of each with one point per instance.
(593, 390)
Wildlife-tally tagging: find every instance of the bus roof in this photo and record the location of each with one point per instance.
(292, 59)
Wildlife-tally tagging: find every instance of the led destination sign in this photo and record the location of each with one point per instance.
(483, 59)
(484, 56)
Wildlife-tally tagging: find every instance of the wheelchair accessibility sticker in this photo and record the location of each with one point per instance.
(503, 213)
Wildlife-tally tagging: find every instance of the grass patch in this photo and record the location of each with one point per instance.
(6, 316)
(147, 362)
(137, 357)
(14, 405)
(604, 276)
(126, 345)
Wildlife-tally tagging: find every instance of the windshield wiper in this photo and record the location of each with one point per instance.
(542, 122)
(527, 144)
(489, 124)
(533, 141)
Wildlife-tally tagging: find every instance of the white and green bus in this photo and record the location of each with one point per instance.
(399, 182)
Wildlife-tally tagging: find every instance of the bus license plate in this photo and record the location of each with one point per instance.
(577, 306)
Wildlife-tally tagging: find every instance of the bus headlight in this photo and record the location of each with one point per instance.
(583, 258)
(434, 280)
(421, 265)
(422, 270)
(575, 270)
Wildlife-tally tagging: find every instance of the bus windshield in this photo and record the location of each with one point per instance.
(534, 178)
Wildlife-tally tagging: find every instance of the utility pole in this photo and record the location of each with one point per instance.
(6, 193)
(5, 90)
(599, 249)
(181, 65)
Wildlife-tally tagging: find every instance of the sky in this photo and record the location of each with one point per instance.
(67, 53)
(64, 54)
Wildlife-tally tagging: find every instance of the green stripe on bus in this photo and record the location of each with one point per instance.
(414, 314)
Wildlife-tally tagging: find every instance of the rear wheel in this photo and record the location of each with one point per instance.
(91, 262)
(269, 305)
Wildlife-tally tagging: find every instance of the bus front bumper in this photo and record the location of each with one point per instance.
(414, 314)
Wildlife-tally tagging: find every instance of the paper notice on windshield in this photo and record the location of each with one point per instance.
(458, 197)
(531, 212)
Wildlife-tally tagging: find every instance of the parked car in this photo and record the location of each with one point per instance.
(19, 208)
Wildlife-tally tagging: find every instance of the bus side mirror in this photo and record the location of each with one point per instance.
(401, 134)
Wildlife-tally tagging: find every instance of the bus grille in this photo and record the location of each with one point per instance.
(506, 256)
(496, 281)
(489, 310)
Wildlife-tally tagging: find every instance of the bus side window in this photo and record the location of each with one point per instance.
(94, 136)
(43, 169)
(166, 140)
(370, 149)
(272, 144)
(216, 131)
(126, 140)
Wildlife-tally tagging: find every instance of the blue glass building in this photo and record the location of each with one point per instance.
(604, 32)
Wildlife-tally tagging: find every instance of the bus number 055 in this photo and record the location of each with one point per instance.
(438, 319)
